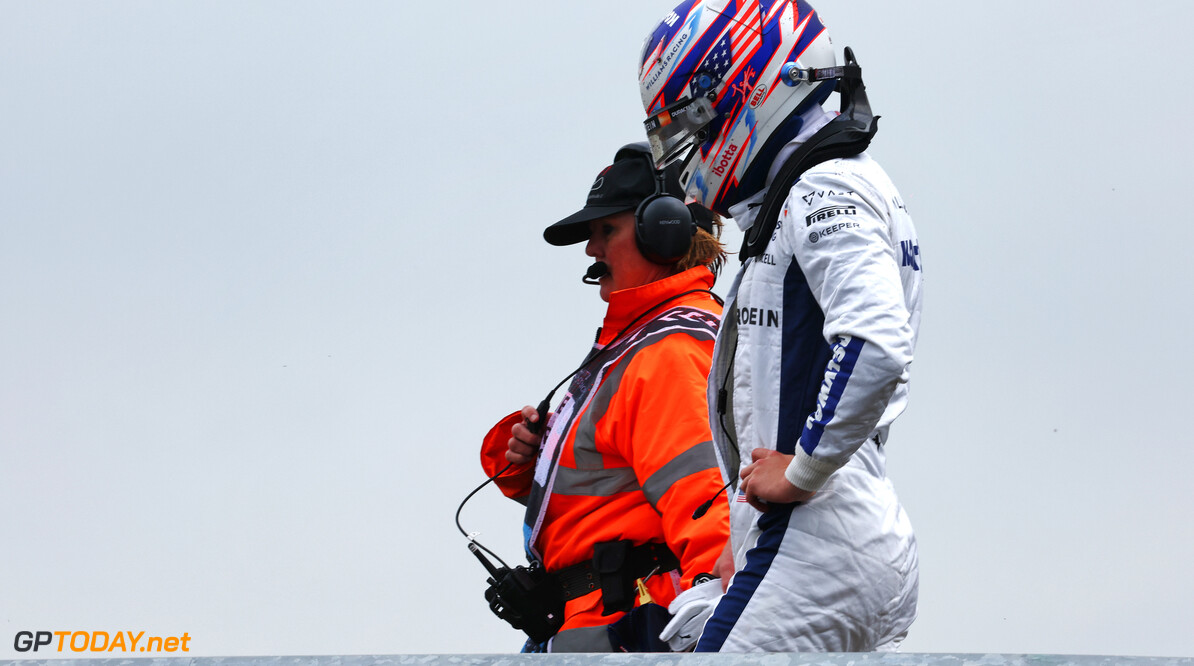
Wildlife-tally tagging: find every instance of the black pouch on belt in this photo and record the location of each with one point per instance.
(617, 581)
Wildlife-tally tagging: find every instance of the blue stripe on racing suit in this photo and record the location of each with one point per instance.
(837, 374)
(774, 526)
(803, 358)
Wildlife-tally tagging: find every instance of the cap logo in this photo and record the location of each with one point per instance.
(597, 183)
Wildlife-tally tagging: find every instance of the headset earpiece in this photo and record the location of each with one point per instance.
(663, 224)
(663, 229)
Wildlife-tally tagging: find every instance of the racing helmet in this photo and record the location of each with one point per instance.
(724, 84)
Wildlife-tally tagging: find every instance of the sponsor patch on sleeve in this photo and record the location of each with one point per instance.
(827, 213)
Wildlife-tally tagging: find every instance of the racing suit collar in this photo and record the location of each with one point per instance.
(744, 211)
(626, 304)
(813, 120)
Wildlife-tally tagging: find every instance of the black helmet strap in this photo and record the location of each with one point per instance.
(845, 136)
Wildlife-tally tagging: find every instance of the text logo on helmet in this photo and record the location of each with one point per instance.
(727, 57)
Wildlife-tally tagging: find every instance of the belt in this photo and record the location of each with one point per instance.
(640, 562)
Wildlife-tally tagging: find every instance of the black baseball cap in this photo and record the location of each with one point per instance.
(619, 187)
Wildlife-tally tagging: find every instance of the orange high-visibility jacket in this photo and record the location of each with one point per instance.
(628, 454)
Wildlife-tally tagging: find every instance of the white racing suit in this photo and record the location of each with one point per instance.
(813, 356)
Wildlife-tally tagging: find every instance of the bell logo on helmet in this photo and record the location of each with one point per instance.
(759, 95)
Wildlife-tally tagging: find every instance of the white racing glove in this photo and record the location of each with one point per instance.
(690, 609)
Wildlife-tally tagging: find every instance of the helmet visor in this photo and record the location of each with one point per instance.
(674, 130)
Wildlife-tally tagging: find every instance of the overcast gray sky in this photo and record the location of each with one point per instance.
(269, 271)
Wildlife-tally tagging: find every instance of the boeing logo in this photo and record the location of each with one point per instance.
(758, 317)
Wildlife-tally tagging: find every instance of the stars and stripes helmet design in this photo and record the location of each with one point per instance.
(724, 82)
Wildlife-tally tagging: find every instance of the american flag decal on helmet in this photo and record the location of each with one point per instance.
(731, 53)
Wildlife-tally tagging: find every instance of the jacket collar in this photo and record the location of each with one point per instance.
(627, 304)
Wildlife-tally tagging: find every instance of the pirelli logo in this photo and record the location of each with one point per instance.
(822, 214)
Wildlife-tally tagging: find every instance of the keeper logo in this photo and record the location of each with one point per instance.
(820, 235)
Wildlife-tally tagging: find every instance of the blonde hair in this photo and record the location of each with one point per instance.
(706, 249)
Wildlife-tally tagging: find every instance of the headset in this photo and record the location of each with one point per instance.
(663, 224)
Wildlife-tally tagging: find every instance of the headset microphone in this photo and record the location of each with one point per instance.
(595, 272)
